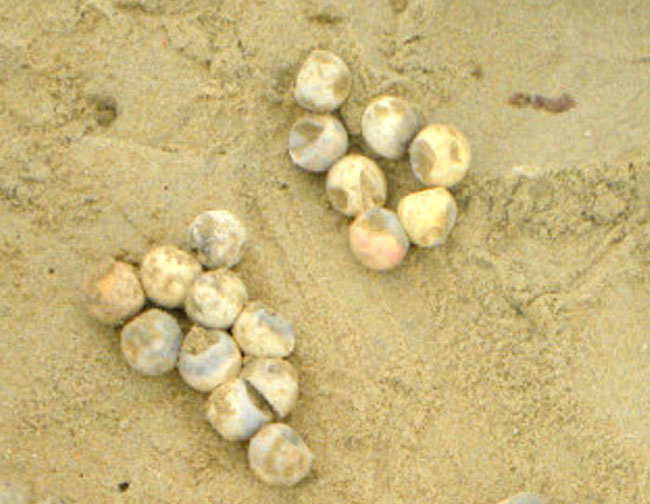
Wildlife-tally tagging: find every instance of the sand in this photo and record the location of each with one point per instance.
(515, 358)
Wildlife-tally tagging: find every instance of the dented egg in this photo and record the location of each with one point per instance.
(378, 240)
(236, 411)
(323, 82)
(355, 184)
(262, 332)
(278, 456)
(428, 216)
(208, 358)
(275, 380)
(440, 155)
(316, 142)
(388, 125)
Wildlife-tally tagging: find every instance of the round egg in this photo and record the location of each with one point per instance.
(388, 125)
(166, 273)
(323, 82)
(275, 380)
(261, 332)
(355, 184)
(219, 238)
(236, 411)
(113, 293)
(208, 358)
(440, 155)
(216, 298)
(428, 216)
(151, 342)
(316, 142)
(378, 240)
(278, 456)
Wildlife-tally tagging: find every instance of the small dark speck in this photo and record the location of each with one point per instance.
(166, 187)
(477, 71)
(51, 271)
(123, 486)
(283, 185)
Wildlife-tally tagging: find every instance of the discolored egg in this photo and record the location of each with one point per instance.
(276, 381)
(378, 240)
(261, 332)
(216, 298)
(316, 142)
(278, 456)
(428, 216)
(113, 292)
(355, 184)
(166, 273)
(440, 155)
(208, 358)
(236, 411)
(323, 82)
(219, 237)
(151, 342)
(388, 125)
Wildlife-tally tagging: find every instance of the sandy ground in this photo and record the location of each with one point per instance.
(514, 358)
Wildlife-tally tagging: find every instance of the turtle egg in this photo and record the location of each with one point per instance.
(355, 184)
(216, 298)
(428, 216)
(113, 293)
(219, 238)
(236, 411)
(278, 457)
(439, 155)
(388, 125)
(522, 498)
(323, 82)
(167, 273)
(151, 342)
(276, 381)
(208, 358)
(317, 141)
(261, 332)
(378, 240)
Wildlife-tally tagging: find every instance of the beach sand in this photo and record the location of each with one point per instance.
(514, 358)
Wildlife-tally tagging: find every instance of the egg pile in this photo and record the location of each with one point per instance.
(235, 349)
(439, 155)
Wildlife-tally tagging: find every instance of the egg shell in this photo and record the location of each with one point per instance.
(166, 273)
(236, 411)
(440, 155)
(388, 125)
(316, 142)
(323, 82)
(355, 184)
(378, 240)
(261, 332)
(276, 381)
(151, 342)
(208, 358)
(113, 292)
(428, 216)
(216, 298)
(219, 237)
(278, 456)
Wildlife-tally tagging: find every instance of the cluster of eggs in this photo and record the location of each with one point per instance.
(356, 186)
(235, 349)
